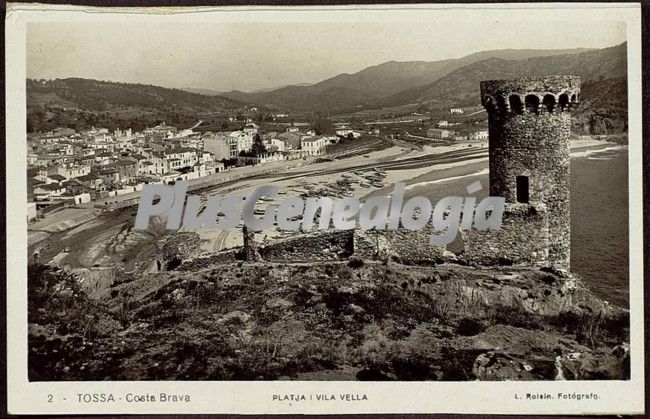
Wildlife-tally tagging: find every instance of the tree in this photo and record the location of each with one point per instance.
(322, 125)
(258, 146)
(259, 118)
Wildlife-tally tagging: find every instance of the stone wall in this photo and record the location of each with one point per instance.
(536, 146)
(328, 245)
(522, 239)
(174, 248)
(406, 246)
(220, 258)
(311, 247)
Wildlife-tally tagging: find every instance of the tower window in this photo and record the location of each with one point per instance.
(515, 104)
(522, 189)
(549, 102)
(532, 103)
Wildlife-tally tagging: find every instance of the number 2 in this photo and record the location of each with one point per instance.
(50, 398)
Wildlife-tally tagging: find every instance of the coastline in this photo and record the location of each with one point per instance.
(416, 169)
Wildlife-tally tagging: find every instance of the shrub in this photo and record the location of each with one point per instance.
(355, 262)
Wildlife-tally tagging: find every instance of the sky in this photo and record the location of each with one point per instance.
(248, 55)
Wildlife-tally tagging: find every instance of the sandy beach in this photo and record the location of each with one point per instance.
(427, 174)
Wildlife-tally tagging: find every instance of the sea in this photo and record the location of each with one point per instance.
(599, 216)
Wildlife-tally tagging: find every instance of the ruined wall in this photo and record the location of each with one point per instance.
(529, 128)
(522, 239)
(219, 258)
(408, 247)
(173, 249)
(312, 247)
(329, 245)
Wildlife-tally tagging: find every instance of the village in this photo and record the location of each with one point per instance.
(93, 167)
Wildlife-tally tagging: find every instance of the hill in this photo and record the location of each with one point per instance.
(200, 91)
(460, 87)
(603, 107)
(374, 82)
(80, 103)
(331, 320)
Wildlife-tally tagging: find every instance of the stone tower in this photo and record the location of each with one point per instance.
(529, 126)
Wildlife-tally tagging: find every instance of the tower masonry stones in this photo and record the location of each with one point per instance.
(529, 127)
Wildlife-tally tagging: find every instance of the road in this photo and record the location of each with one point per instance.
(196, 125)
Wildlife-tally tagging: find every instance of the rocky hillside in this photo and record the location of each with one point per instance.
(603, 108)
(352, 319)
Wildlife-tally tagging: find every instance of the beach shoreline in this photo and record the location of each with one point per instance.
(414, 168)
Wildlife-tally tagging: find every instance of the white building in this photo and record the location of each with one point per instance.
(218, 144)
(479, 135)
(438, 133)
(156, 164)
(123, 135)
(69, 171)
(228, 144)
(456, 111)
(182, 157)
(31, 211)
(315, 145)
(275, 144)
(47, 191)
(243, 142)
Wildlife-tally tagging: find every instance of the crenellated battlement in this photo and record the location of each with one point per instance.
(531, 95)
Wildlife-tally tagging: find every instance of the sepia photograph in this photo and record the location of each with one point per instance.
(273, 196)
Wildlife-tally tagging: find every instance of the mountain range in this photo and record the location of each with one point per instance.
(400, 83)
(433, 85)
(459, 87)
